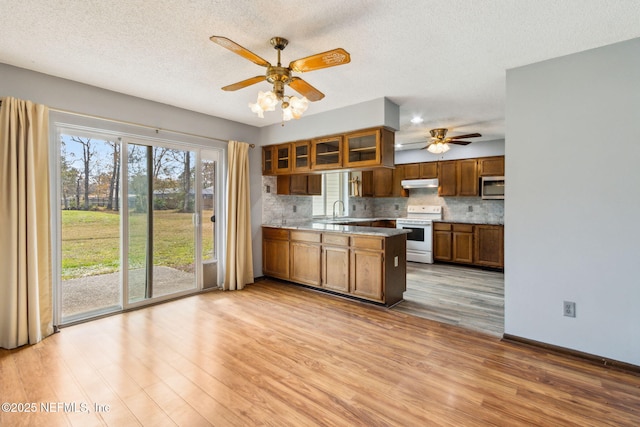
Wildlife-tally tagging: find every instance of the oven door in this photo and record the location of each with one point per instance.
(419, 237)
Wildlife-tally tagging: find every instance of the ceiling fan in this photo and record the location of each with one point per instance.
(440, 143)
(281, 76)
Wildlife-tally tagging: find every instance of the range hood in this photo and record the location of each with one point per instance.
(419, 183)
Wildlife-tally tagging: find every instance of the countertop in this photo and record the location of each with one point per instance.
(478, 222)
(351, 229)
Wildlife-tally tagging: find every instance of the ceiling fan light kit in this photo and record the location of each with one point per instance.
(440, 143)
(292, 106)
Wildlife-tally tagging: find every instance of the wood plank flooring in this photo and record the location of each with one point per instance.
(276, 354)
(469, 297)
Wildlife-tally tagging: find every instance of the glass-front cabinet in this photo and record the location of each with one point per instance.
(362, 148)
(301, 156)
(268, 154)
(327, 152)
(283, 158)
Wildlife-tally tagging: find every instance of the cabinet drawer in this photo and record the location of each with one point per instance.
(367, 243)
(305, 236)
(275, 233)
(463, 228)
(335, 239)
(441, 226)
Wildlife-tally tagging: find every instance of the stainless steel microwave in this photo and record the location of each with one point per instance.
(492, 187)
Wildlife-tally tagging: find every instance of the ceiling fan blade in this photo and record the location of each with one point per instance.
(236, 48)
(327, 59)
(459, 142)
(469, 135)
(244, 83)
(305, 89)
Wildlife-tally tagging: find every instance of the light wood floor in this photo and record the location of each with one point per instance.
(281, 355)
(469, 297)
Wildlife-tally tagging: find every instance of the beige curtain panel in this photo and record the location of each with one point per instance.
(239, 262)
(25, 238)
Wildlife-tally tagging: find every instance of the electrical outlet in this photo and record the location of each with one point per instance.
(470, 208)
(397, 207)
(295, 208)
(354, 208)
(395, 261)
(569, 308)
(268, 189)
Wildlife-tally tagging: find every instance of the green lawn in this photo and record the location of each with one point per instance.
(91, 241)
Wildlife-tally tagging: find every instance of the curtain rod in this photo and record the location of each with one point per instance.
(139, 125)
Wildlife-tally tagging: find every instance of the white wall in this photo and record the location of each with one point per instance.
(573, 201)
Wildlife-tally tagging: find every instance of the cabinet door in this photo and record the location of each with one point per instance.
(442, 245)
(301, 156)
(429, 170)
(326, 153)
(489, 245)
(467, 177)
(463, 243)
(275, 258)
(362, 148)
(367, 184)
(398, 176)
(447, 180)
(298, 184)
(367, 274)
(411, 170)
(491, 166)
(305, 263)
(335, 268)
(383, 182)
(314, 185)
(283, 184)
(268, 155)
(283, 158)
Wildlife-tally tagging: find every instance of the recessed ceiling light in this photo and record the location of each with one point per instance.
(417, 120)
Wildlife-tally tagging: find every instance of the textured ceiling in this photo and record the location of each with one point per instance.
(443, 60)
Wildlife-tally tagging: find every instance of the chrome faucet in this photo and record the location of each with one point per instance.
(334, 207)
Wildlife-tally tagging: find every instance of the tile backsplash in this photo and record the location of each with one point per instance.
(290, 209)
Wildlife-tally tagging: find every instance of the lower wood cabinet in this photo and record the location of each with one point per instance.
(304, 249)
(365, 266)
(275, 252)
(473, 244)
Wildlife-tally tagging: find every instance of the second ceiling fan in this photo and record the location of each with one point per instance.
(439, 142)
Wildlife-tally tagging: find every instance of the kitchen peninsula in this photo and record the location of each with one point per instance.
(367, 263)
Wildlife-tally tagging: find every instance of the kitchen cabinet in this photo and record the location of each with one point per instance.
(369, 267)
(326, 153)
(371, 147)
(377, 183)
(268, 156)
(489, 245)
(301, 185)
(301, 156)
(473, 244)
(462, 237)
(425, 170)
(335, 262)
(283, 158)
(491, 166)
(275, 252)
(305, 257)
(398, 176)
(458, 178)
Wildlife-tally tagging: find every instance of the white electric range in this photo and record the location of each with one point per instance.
(419, 221)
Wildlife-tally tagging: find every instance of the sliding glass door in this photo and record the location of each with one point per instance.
(137, 222)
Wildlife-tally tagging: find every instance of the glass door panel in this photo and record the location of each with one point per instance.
(208, 215)
(161, 231)
(89, 174)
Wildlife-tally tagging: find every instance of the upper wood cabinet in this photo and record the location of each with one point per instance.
(268, 156)
(458, 178)
(326, 153)
(303, 185)
(301, 156)
(372, 147)
(377, 183)
(283, 158)
(425, 170)
(491, 166)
